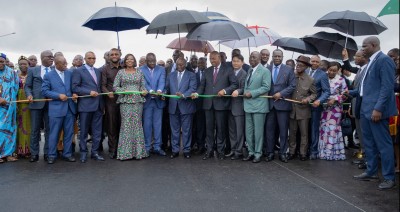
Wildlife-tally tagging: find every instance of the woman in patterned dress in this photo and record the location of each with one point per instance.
(131, 137)
(23, 112)
(331, 145)
(9, 83)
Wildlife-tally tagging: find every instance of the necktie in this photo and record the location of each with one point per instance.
(93, 73)
(47, 70)
(151, 74)
(250, 73)
(312, 73)
(201, 75)
(179, 78)
(62, 77)
(275, 73)
(215, 74)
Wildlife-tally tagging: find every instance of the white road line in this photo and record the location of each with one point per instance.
(324, 189)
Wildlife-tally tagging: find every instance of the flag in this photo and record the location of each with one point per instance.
(392, 7)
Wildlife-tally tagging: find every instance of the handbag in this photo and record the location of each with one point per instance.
(347, 129)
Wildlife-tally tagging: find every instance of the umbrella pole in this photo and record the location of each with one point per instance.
(179, 35)
(118, 39)
(347, 35)
(292, 54)
(248, 45)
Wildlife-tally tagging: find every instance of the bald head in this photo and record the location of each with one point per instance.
(371, 45)
(60, 62)
(47, 58)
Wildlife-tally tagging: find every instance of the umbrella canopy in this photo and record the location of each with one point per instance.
(219, 30)
(115, 19)
(176, 21)
(215, 16)
(330, 45)
(392, 7)
(352, 23)
(191, 45)
(295, 45)
(261, 36)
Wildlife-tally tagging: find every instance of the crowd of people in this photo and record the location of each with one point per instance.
(297, 109)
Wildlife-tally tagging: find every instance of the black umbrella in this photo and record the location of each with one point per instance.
(115, 19)
(176, 21)
(330, 45)
(352, 23)
(220, 30)
(295, 45)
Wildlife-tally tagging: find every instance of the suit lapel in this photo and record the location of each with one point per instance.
(89, 75)
(182, 80)
(369, 68)
(280, 73)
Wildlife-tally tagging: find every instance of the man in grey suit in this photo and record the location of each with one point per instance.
(220, 80)
(258, 82)
(39, 110)
(236, 115)
(283, 85)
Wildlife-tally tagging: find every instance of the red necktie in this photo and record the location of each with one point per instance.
(215, 74)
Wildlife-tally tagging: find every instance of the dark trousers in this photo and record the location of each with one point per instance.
(277, 118)
(93, 121)
(166, 130)
(315, 123)
(216, 120)
(377, 142)
(65, 123)
(236, 133)
(113, 121)
(38, 116)
(199, 129)
(181, 122)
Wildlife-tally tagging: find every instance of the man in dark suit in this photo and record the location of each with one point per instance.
(86, 80)
(236, 115)
(57, 86)
(39, 110)
(199, 118)
(323, 92)
(192, 64)
(236, 52)
(220, 80)
(181, 83)
(377, 105)
(283, 85)
(154, 76)
(113, 118)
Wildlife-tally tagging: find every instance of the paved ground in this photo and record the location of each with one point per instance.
(162, 184)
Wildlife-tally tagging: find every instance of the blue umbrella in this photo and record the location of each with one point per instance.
(115, 19)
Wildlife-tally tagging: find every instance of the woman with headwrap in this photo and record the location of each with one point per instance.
(9, 84)
(23, 112)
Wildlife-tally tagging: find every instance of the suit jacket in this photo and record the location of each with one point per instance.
(285, 85)
(82, 84)
(52, 87)
(378, 90)
(157, 82)
(322, 85)
(258, 85)
(187, 86)
(305, 89)
(237, 108)
(199, 101)
(33, 86)
(225, 80)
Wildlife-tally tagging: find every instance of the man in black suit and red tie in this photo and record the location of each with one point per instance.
(220, 80)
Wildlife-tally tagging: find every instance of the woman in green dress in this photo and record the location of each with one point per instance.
(23, 113)
(131, 137)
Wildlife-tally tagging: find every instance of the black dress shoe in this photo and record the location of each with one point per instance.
(34, 158)
(45, 157)
(160, 152)
(290, 156)
(362, 166)
(201, 151)
(97, 157)
(69, 159)
(249, 157)
(230, 154)
(207, 156)
(235, 157)
(303, 157)
(221, 156)
(83, 158)
(365, 177)
(270, 157)
(283, 158)
(50, 160)
(257, 160)
(186, 155)
(174, 155)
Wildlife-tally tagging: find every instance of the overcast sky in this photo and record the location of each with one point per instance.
(57, 25)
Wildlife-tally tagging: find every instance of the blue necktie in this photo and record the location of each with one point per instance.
(275, 73)
(179, 78)
(47, 70)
